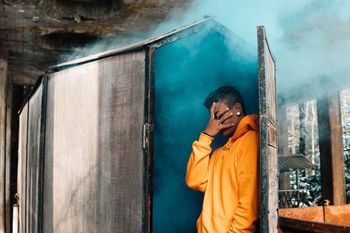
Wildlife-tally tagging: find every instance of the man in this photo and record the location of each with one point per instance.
(229, 178)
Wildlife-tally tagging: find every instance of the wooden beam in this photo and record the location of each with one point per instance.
(331, 149)
(337, 149)
(288, 225)
(3, 89)
(284, 178)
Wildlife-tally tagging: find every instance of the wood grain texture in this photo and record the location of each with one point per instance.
(336, 135)
(8, 158)
(282, 125)
(272, 134)
(289, 225)
(337, 214)
(33, 160)
(3, 89)
(331, 149)
(93, 153)
(21, 172)
(268, 149)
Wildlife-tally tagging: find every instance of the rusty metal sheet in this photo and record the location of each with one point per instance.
(94, 164)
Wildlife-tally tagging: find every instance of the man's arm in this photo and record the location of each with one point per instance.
(198, 163)
(248, 181)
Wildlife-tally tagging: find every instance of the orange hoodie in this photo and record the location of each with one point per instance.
(229, 179)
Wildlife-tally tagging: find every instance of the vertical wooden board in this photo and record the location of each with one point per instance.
(94, 157)
(268, 142)
(336, 137)
(71, 150)
(3, 95)
(284, 177)
(121, 113)
(270, 83)
(8, 159)
(33, 159)
(21, 172)
(273, 188)
(331, 149)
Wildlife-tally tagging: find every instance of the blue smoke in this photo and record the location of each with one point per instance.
(186, 72)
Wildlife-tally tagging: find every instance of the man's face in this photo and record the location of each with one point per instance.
(221, 109)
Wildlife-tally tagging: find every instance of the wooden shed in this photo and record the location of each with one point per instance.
(104, 140)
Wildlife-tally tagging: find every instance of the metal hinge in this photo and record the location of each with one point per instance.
(146, 128)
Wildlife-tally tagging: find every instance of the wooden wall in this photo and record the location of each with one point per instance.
(94, 164)
(3, 102)
(22, 165)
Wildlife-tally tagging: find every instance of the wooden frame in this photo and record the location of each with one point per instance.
(268, 137)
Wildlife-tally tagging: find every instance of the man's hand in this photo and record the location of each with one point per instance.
(216, 120)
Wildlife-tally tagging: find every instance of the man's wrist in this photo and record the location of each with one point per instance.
(207, 134)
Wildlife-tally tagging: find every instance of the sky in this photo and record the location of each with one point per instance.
(310, 39)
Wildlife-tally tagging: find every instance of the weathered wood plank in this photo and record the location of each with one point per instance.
(21, 172)
(339, 196)
(3, 89)
(8, 159)
(282, 125)
(33, 159)
(272, 134)
(93, 154)
(338, 215)
(331, 149)
(289, 225)
(268, 142)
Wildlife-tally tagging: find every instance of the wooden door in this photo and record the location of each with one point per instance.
(94, 161)
(268, 136)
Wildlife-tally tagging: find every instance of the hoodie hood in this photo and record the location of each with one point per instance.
(249, 122)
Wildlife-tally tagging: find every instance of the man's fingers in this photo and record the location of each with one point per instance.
(221, 114)
(224, 118)
(224, 126)
(212, 109)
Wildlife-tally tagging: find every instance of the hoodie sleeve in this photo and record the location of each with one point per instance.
(198, 163)
(248, 193)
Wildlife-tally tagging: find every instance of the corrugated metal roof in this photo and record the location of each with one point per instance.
(294, 162)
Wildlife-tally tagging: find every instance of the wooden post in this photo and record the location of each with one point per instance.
(339, 196)
(331, 149)
(3, 89)
(284, 178)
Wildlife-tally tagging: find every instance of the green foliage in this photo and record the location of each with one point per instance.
(347, 173)
(311, 185)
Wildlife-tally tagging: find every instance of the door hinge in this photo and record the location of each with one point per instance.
(146, 129)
